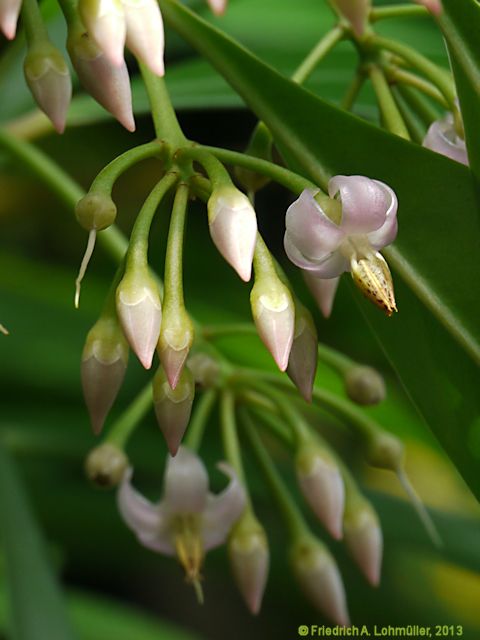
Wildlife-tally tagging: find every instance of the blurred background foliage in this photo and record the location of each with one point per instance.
(115, 588)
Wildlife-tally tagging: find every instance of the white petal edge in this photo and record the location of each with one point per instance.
(186, 483)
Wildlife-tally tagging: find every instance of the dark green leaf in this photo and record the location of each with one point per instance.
(37, 609)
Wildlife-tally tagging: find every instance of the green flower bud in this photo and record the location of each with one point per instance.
(96, 211)
(364, 385)
(176, 338)
(105, 465)
(385, 451)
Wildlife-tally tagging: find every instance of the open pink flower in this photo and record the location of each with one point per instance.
(189, 520)
(442, 138)
(368, 223)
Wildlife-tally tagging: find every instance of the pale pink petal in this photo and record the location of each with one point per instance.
(223, 511)
(310, 230)
(388, 231)
(141, 515)
(364, 203)
(331, 266)
(145, 37)
(218, 7)
(9, 10)
(186, 483)
(442, 138)
(323, 290)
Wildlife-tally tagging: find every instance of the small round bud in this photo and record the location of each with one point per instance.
(105, 465)
(364, 385)
(206, 371)
(96, 211)
(385, 451)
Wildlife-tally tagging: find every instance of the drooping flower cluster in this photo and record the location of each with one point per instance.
(325, 248)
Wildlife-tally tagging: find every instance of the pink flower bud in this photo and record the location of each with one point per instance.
(218, 7)
(145, 37)
(233, 228)
(249, 559)
(356, 12)
(105, 23)
(104, 362)
(322, 486)
(302, 362)
(108, 84)
(176, 338)
(140, 312)
(9, 10)
(323, 291)
(173, 406)
(442, 138)
(106, 465)
(49, 81)
(274, 316)
(318, 575)
(434, 6)
(363, 537)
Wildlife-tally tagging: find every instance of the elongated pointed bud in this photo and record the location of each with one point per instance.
(218, 7)
(302, 362)
(48, 79)
(320, 579)
(434, 6)
(372, 276)
(322, 485)
(176, 338)
(145, 37)
(273, 312)
(233, 228)
(105, 23)
(140, 312)
(356, 12)
(173, 406)
(249, 559)
(108, 84)
(259, 146)
(364, 385)
(323, 291)
(363, 537)
(104, 362)
(9, 11)
(106, 465)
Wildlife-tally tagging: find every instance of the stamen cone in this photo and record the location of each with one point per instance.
(372, 276)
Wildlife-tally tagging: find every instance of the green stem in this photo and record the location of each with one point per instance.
(216, 172)
(337, 361)
(66, 189)
(138, 247)
(35, 29)
(291, 514)
(391, 116)
(397, 11)
(69, 10)
(353, 90)
(263, 261)
(321, 49)
(165, 120)
(113, 170)
(430, 70)
(415, 128)
(173, 279)
(122, 429)
(419, 104)
(199, 419)
(394, 74)
(292, 181)
(228, 423)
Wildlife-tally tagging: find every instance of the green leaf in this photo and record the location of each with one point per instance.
(37, 609)
(436, 254)
(461, 26)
